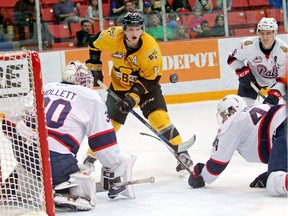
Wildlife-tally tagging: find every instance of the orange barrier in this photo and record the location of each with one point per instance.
(190, 60)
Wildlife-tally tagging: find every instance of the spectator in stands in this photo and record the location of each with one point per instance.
(219, 4)
(181, 6)
(82, 36)
(25, 16)
(156, 29)
(219, 28)
(129, 7)
(116, 8)
(205, 30)
(156, 6)
(205, 5)
(172, 22)
(147, 9)
(195, 22)
(138, 5)
(181, 33)
(92, 13)
(66, 12)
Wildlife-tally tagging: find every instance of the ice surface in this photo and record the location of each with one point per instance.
(171, 195)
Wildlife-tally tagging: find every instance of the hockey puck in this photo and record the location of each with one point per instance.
(173, 78)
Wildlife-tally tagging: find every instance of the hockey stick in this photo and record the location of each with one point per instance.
(257, 90)
(99, 187)
(161, 137)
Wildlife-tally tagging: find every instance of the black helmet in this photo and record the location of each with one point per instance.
(133, 19)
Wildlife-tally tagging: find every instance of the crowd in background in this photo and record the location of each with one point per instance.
(71, 11)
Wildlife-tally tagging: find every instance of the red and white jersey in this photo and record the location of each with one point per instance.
(72, 112)
(249, 132)
(265, 68)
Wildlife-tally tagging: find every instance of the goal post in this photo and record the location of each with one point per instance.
(25, 172)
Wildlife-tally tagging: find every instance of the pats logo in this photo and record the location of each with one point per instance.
(285, 49)
(153, 54)
(118, 55)
(247, 43)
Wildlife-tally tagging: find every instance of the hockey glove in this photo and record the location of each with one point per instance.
(245, 76)
(260, 181)
(195, 179)
(273, 97)
(126, 104)
(96, 70)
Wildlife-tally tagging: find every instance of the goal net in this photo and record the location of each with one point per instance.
(25, 173)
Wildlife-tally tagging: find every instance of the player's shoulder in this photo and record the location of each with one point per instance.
(282, 45)
(249, 42)
(113, 32)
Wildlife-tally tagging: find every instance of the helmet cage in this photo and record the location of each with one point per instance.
(77, 73)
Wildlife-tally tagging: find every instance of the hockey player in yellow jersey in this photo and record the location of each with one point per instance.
(137, 69)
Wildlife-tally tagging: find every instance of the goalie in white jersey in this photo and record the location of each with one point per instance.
(258, 133)
(74, 110)
(261, 60)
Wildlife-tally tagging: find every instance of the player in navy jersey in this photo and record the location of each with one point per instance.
(261, 60)
(74, 111)
(258, 133)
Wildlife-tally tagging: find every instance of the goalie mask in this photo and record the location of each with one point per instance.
(228, 106)
(268, 24)
(77, 73)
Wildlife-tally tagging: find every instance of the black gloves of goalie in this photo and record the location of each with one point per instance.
(126, 104)
(195, 179)
(245, 76)
(260, 181)
(273, 97)
(96, 70)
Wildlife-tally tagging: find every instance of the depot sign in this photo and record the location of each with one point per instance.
(191, 60)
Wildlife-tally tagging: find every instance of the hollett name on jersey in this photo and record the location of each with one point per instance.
(61, 93)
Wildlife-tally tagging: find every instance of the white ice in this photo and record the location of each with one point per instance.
(171, 195)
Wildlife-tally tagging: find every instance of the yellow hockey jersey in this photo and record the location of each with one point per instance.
(146, 62)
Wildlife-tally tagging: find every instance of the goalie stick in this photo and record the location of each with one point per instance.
(188, 143)
(99, 187)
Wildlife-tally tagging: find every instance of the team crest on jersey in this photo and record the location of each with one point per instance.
(257, 59)
(284, 49)
(247, 43)
(111, 32)
(118, 55)
(153, 54)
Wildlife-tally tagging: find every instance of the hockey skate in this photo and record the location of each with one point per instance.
(72, 202)
(185, 158)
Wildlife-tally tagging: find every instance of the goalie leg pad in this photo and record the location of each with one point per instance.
(115, 179)
(86, 187)
(72, 202)
(277, 183)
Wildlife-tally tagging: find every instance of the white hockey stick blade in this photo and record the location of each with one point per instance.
(186, 145)
(99, 187)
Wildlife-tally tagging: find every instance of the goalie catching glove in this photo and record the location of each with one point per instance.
(195, 179)
(245, 76)
(96, 70)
